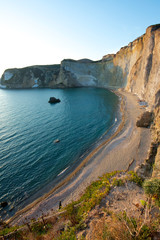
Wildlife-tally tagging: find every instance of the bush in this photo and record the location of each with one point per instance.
(72, 214)
(121, 226)
(69, 234)
(145, 233)
(152, 188)
(39, 228)
(133, 177)
(8, 230)
(118, 182)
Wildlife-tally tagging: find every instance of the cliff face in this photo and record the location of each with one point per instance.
(144, 74)
(88, 73)
(70, 73)
(31, 77)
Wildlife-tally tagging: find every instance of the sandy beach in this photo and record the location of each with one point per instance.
(127, 148)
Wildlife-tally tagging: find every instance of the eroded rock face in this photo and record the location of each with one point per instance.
(144, 70)
(31, 77)
(101, 73)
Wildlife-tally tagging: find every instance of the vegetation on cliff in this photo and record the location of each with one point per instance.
(96, 215)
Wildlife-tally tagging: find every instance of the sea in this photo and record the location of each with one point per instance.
(30, 159)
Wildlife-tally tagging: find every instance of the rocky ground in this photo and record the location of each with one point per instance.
(114, 207)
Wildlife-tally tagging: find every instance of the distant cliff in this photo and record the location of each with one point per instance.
(31, 77)
(69, 73)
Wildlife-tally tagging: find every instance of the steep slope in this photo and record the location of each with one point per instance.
(31, 77)
(144, 75)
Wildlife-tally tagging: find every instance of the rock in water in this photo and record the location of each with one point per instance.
(4, 204)
(54, 100)
(145, 120)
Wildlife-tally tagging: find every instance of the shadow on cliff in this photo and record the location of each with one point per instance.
(157, 99)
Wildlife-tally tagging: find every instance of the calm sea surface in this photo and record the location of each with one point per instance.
(29, 158)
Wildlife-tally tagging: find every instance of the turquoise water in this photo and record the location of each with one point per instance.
(29, 158)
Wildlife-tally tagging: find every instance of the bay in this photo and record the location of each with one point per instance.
(29, 125)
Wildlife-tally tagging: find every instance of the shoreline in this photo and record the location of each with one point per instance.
(71, 187)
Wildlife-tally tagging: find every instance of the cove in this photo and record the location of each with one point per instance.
(29, 125)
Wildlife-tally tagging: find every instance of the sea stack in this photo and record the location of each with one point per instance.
(54, 100)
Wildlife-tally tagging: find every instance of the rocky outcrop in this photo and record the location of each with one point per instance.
(145, 120)
(4, 204)
(31, 77)
(54, 100)
(101, 73)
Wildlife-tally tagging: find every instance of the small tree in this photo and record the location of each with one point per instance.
(152, 188)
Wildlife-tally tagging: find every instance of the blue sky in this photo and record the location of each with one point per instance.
(36, 32)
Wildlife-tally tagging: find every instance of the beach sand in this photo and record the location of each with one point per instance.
(126, 149)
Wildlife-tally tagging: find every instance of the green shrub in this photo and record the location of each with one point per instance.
(72, 213)
(93, 196)
(118, 182)
(68, 234)
(123, 226)
(39, 228)
(7, 230)
(143, 203)
(133, 177)
(152, 187)
(77, 211)
(145, 233)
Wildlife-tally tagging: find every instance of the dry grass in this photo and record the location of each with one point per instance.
(88, 219)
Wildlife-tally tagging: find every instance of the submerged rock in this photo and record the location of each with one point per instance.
(54, 100)
(4, 204)
(145, 120)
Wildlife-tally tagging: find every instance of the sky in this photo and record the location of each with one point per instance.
(39, 32)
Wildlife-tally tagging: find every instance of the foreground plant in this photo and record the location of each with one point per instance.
(123, 226)
(152, 188)
(73, 219)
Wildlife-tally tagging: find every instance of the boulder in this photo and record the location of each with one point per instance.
(4, 204)
(145, 119)
(54, 100)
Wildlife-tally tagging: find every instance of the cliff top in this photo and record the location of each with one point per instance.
(84, 60)
(154, 27)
